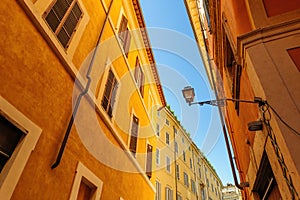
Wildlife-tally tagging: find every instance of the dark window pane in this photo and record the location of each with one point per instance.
(77, 11)
(10, 136)
(60, 8)
(70, 24)
(52, 20)
(63, 37)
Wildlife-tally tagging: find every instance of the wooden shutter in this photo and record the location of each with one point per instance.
(126, 45)
(149, 161)
(109, 94)
(63, 19)
(134, 134)
(122, 30)
(136, 70)
(142, 83)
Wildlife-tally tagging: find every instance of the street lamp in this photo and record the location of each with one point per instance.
(189, 94)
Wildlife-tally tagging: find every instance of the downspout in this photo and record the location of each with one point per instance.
(241, 187)
(84, 92)
(175, 162)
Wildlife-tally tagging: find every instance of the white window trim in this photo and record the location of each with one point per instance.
(168, 158)
(13, 169)
(39, 7)
(157, 157)
(83, 171)
(99, 95)
(133, 113)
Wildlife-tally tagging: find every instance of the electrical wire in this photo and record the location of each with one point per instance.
(282, 120)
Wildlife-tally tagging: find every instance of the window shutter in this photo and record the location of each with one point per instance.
(136, 70)
(149, 161)
(134, 134)
(63, 19)
(109, 94)
(127, 42)
(142, 84)
(122, 29)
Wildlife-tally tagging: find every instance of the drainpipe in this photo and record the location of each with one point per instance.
(175, 162)
(206, 56)
(68, 131)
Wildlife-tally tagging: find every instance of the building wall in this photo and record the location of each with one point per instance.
(260, 39)
(38, 86)
(189, 160)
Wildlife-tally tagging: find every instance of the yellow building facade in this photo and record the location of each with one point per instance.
(182, 171)
(79, 94)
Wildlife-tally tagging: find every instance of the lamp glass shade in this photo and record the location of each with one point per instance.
(188, 94)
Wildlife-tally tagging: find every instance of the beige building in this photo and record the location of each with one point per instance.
(231, 192)
(182, 171)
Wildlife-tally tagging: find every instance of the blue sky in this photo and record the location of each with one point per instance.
(179, 64)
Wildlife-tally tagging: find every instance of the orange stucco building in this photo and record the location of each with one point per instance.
(78, 97)
(252, 49)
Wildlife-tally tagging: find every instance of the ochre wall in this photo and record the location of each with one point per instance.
(36, 82)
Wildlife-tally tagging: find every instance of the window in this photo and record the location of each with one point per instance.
(175, 130)
(182, 139)
(186, 179)
(167, 122)
(86, 191)
(193, 186)
(176, 147)
(233, 72)
(177, 171)
(157, 129)
(149, 161)
(63, 18)
(183, 154)
(200, 172)
(86, 184)
(265, 184)
(169, 194)
(15, 129)
(158, 190)
(124, 35)
(10, 136)
(157, 156)
(139, 76)
(134, 134)
(168, 167)
(206, 10)
(109, 95)
(203, 194)
(295, 56)
(191, 164)
(167, 138)
(179, 197)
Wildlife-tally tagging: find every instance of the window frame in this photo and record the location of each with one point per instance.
(37, 10)
(168, 164)
(133, 116)
(62, 22)
(112, 92)
(14, 167)
(139, 76)
(83, 172)
(157, 159)
(167, 138)
(123, 31)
